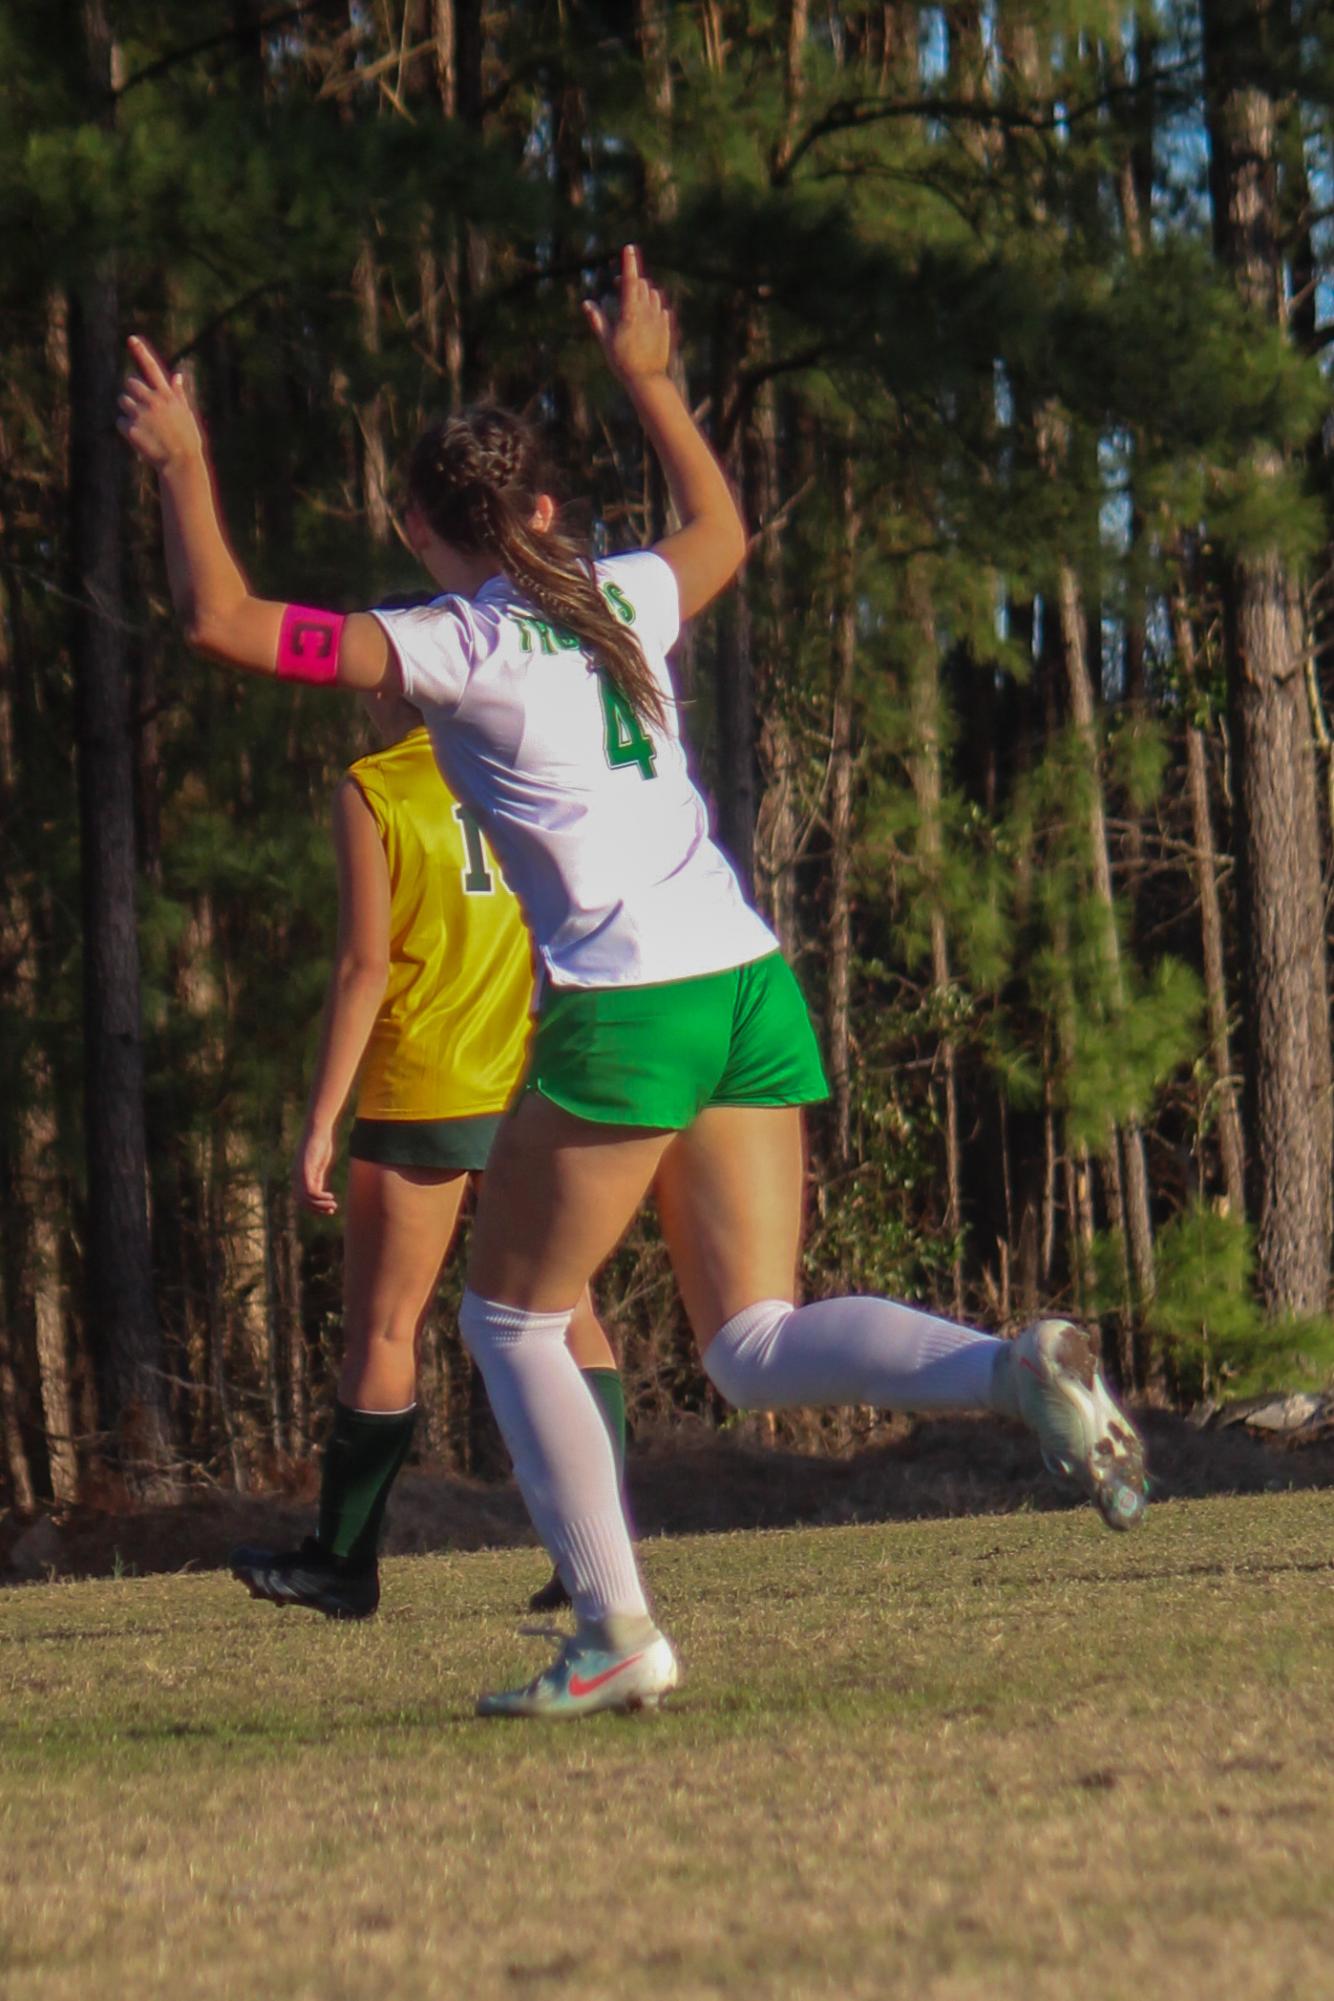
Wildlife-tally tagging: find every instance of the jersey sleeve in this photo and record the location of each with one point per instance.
(648, 586)
(434, 645)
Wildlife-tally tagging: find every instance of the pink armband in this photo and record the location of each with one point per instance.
(308, 644)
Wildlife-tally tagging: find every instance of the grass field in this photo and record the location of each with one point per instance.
(961, 1761)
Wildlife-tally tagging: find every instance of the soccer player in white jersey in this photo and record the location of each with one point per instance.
(672, 1051)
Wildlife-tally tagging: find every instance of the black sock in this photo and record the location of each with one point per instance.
(609, 1390)
(362, 1458)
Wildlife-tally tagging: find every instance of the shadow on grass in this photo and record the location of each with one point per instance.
(693, 1481)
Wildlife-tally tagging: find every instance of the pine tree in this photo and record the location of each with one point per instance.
(1282, 931)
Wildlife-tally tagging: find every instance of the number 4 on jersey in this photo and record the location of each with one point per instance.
(624, 738)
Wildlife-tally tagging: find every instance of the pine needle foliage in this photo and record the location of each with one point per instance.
(969, 258)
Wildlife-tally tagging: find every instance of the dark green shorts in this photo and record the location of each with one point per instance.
(656, 1056)
(446, 1144)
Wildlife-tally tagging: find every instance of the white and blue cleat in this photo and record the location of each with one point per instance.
(1082, 1435)
(588, 1675)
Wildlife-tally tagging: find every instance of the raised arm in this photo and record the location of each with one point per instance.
(218, 611)
(708, 549)
(356, 988)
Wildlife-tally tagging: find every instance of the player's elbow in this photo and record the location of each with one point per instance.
(186, 607)
(205, 633)
(727, 550)
(735, 543)
(194, 631)
(363, 969)
(217, 631)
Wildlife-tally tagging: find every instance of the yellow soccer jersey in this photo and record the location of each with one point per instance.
(450, 1038)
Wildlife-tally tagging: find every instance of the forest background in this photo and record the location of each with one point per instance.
(1008, 321)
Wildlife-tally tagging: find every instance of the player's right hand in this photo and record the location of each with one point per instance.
(636, 334)
(155, 413)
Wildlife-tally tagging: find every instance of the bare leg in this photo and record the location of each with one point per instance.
(558, 1196)
(729, 1193)
(587, 1337)
(729, 1190)
(401, 1222)
(399, 1227)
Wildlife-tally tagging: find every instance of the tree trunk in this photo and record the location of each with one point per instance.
(794, 49)
(42, 1197)
(284, 1358)
(243, 1210)
(778, 822)
(1133, 1178)
(212, 1159)
(472, 246)
(734, 672)
(216, 1325)
(17, 1466)
(371, 413)
(1124, 1166)
(1027, 1137)
(924, 698)
(1230, 1145)
(651, 30)
(444, 316)
(839, 1026)
(1282, 938)
(778, 819)
(1279, 861)
(119, 1276)
(33, 1295)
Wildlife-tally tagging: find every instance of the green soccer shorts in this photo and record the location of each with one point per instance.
(656, 1056)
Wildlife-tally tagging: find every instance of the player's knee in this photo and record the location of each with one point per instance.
(389, 1334)
(489, 1328)
(734, 1360)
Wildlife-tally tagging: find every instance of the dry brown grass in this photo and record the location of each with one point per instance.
(960, 1760)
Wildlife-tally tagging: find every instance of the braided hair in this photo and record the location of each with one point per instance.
(477, 477)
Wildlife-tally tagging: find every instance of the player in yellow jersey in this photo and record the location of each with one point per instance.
(428, 1011)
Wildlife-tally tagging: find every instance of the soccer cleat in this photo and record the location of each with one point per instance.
(553, 1597)
(586, 1676)
(306, 1576)
(1082, 1435)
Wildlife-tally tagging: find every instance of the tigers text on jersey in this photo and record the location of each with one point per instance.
(592, 814)
(452, 1031)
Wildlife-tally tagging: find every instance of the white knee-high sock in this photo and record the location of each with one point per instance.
(563, 1461)
(773, 1355)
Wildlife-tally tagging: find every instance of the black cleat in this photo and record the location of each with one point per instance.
(306, 1576)
(553, 1597)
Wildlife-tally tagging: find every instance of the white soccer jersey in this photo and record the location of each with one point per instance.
(593, 818)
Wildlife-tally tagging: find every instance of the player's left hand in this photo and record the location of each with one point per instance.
(155, 413)
(310, 1172)
(636, 336)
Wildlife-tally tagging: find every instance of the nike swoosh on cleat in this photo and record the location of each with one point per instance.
(578, 1686)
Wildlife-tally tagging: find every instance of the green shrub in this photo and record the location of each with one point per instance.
(1207, 1317)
